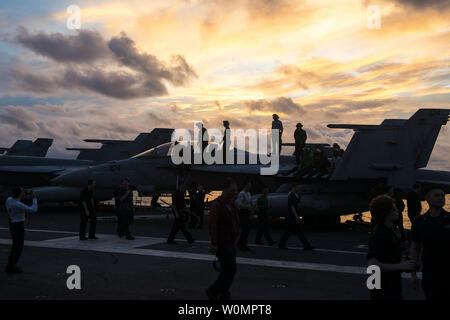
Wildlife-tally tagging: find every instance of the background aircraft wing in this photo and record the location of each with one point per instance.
(32, 169)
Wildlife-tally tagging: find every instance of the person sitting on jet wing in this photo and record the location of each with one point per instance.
(307, 163)
(321, 163)
(305, 166)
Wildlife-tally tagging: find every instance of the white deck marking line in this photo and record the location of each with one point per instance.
(112, 244)
(203, 241)
(44, 230)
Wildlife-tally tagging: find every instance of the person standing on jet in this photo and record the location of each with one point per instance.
(413, 202)
(294, 224)
(180, 215)
(430, 237)
(263, 218)
(88, 211)
(203, 138)
(300, 141)
(224, 228)
(385, 250)
(226, 140)
(245, 206)
(125, 206)
(277, 124)
(16, 211)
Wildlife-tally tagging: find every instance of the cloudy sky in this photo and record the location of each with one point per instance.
(135, 65)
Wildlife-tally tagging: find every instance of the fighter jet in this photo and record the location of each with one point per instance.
(122, 149)
(394, 151)
(38, 148)
(33, 171)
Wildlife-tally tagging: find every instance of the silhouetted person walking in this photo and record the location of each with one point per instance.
(200, 206)
(16, 212)
(300, 141)
(88, 211)
(245, 206)
(294, 224)
(193, 205)
(263, 219)
(413, 202)
(385, 250)
(125, 206)
(224, 228)
(180, 215)
(430, 240)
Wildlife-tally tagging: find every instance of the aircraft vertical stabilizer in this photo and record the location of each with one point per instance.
(123, 149)
(393, 150)
(38, 148)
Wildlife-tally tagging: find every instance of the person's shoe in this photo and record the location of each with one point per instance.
(271, 243)
(225, 296)
(130, 237)
(211, 295)
(93, 238)
(259, 243)
(13, 270)
(171, 242)
(308, 248)
(83, 238)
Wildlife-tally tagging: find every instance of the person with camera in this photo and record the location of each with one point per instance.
(16, 211)
(385, 250)
(181, 215)
(125, 209)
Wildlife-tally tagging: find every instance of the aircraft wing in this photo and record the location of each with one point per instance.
(31, 169)
(433, 177)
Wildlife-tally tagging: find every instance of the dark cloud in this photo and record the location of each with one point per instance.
(139, 74)
(346, 105)
(416, 4)
(421, 4)
(157, 119)
(279, 105)
(30, 82)
(86, 45)
(115, 84)
(127, 54)
(19, 117)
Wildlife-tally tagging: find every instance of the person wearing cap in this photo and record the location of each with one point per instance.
(226, 140)
(277, 124)
(300, 140)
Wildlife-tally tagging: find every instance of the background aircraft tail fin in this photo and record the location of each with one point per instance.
(122, 149)
(424, 127)
(393, 150)
(38, 148)
(155, 138)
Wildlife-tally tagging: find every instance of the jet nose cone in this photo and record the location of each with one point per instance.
(74, 178)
